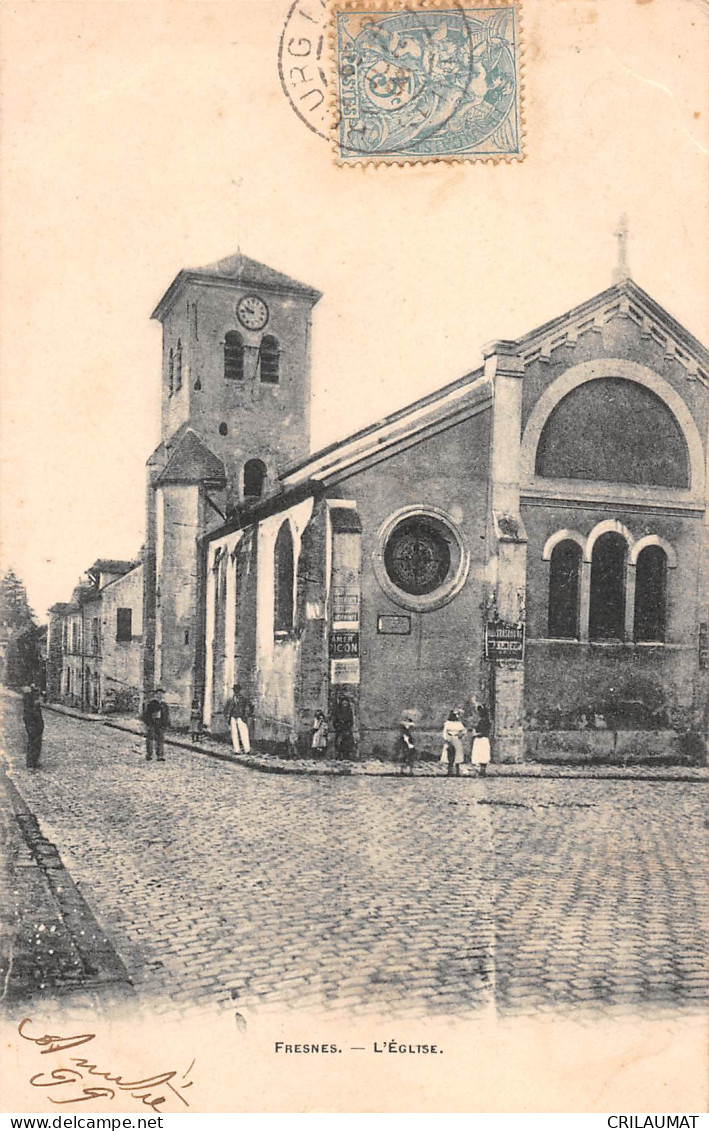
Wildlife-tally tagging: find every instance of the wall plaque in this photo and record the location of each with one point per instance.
(389, 624)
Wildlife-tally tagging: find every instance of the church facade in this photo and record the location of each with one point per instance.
(532, 536)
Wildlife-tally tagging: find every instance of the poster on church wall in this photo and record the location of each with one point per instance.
(345, 605)
(344, 645)
(344, 671)
(504, 640)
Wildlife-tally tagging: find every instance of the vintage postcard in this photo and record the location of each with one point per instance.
(354, 588)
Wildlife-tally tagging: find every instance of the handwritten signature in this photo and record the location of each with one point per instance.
(76, 1079)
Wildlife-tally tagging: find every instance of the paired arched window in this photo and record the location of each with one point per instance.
(625, 593)
(284, 581)
(254, 478)
(178, 366)
(233, 356)
(564, 591)
(269, 360)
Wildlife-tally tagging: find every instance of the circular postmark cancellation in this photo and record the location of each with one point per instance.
(426, 84)
(302, 62)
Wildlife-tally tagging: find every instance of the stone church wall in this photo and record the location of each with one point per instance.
(439, 664)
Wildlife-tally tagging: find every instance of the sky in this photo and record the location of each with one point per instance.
(142, 137)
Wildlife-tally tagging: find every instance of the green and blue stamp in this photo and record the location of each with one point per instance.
(439, 83)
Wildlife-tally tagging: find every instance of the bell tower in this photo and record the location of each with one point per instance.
(236, 367)
(235, 413)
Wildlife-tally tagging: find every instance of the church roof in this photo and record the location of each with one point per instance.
(468, 394)
(192, 462)
(454, 402)
(235, 270)
(472, 393)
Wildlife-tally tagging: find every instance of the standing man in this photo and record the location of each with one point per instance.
(343, 722)
(239, 712)
(156, 719)
(34, 724)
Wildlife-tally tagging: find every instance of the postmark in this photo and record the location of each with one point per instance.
(426, 83)
(302, 63)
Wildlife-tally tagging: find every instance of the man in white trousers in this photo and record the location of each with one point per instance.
(238, 713)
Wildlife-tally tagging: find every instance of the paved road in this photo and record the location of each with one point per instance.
(219, 885)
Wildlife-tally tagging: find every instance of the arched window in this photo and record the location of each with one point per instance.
(269, 356)
(564, 576)
(599, 431)
(171, 373)
(178, 366)
(254, 476)
(606, 619)
(651, 594)
(233, 356)
(283, 578)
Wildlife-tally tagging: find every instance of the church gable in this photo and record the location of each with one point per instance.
(623, 301)
(625, 323)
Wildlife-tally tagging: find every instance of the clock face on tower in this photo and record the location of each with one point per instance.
(252, 312)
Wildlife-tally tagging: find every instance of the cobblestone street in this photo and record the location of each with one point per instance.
(221, 886)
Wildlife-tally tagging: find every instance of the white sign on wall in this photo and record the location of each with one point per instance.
(344, 671)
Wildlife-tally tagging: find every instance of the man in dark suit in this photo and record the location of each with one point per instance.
(34, 724)
(156, 719)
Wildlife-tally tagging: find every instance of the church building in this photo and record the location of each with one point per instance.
(532, 536)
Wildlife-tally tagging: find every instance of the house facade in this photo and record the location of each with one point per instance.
(95, 640)
(532, 536)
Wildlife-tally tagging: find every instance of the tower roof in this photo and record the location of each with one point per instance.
(235, 270)
(193, 462)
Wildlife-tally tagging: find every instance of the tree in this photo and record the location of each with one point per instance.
(17, 661)
(15, 612)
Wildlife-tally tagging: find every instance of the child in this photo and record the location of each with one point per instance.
(453, 732)
(319, 740)
(480, 755)
(196, 721)
(405, 748)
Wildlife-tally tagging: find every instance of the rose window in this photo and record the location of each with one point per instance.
(422, 560)
(417, 556)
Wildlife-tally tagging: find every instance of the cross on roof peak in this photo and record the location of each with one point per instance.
(621, 272)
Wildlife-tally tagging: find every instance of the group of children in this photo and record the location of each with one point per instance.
(453, 754)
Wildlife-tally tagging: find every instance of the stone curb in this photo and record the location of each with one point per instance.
(273, 765)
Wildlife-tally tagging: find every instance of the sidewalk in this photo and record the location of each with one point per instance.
(272, 764)
(53, 949)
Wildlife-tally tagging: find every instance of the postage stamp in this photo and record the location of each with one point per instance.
(427, 84)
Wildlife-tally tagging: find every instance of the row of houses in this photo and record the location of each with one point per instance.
(94, 640)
